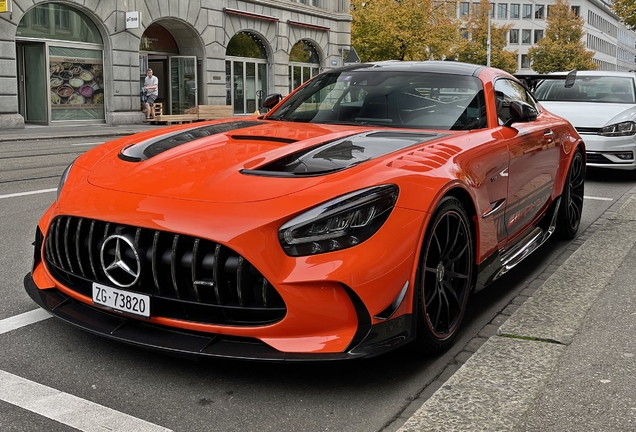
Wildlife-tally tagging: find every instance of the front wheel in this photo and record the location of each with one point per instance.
(444, 277)
(571, 208)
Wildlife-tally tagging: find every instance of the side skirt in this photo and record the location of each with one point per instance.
(503, 261)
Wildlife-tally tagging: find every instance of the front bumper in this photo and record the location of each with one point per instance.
(603, 152)
(379, 338)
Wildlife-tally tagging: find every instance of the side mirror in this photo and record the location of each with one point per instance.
(521, 112)
(271, 100)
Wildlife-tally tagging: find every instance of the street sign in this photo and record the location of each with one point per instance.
(6, 6)
(352, 56)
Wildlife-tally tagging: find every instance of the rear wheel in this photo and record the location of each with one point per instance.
(444, 276)
(571, 207)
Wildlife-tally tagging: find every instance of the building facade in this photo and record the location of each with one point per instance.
(83, 61)
(612, 42)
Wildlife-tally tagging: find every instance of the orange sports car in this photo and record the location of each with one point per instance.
(357, 215)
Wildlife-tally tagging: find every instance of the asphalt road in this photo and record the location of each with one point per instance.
(184, 395)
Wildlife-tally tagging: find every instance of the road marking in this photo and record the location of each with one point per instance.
(598, 198)
(87, 144)
(67, 409)
(28, 193)
(15, 322)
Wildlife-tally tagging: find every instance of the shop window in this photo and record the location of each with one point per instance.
(58, 22)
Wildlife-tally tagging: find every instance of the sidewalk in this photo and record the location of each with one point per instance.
(566, 359)
(33, 132)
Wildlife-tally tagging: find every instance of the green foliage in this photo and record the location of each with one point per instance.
(626, 10)
(474, 49)
(562, 48)
(403, 29)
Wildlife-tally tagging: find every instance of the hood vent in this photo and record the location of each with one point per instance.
(341, 154)
(153, 147)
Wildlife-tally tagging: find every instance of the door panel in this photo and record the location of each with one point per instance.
(183, 83)
(534, 158)
(36, 96)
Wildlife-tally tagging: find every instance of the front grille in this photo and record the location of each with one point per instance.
(189, 278)
(588, 130)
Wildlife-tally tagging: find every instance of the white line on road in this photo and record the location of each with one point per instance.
(28, 193)
(598, 198)
(15, 322)
(68, 409)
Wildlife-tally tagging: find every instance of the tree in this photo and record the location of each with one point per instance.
(562, 48)
(403, 29)
(474, 49)
(626, 11)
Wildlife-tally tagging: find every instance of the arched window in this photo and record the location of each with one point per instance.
(58, 22)
(304, 63)
(245, 73)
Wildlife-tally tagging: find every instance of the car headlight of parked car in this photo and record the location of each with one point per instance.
(619, 129)
(63, 179)
(340, 223)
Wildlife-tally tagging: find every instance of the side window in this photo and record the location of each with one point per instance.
(507, 91)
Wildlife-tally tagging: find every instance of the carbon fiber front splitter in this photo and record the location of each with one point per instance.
(381, 338)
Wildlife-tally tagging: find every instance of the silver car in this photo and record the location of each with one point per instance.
(601, 105)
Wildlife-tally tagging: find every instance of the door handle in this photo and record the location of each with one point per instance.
(548, 134)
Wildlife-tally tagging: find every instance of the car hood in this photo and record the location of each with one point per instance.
(591, 115)
(245, 160)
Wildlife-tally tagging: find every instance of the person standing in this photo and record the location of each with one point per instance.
(151, 85)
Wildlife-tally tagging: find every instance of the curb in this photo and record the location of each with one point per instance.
(499, 384)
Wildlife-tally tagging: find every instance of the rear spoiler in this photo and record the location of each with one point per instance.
(531, 81)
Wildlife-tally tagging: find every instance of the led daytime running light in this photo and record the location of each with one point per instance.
(619, 129)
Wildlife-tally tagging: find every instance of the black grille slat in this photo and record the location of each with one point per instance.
(57, 243)
(187, 278)
(173, 265)
(193, 269)
(91, 250)
(78, 257)
(66, 248)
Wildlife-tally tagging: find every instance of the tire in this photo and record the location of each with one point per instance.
(444, 278)
(571, 207)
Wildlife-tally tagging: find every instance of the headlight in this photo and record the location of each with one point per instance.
(340, 223)
(619, 129)
(63, 179)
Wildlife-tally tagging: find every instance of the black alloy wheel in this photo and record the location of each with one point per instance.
(571, 207)
(444, 276)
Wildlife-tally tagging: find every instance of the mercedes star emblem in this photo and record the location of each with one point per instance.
(120, 267)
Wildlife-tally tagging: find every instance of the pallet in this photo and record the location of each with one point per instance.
(174, 119)
(211, 112)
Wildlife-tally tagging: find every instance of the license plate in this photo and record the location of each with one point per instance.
(121, 300)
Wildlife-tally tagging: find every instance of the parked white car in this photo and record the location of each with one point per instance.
(601, 105)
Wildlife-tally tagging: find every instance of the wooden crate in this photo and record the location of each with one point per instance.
(158, 107)
(211, 112)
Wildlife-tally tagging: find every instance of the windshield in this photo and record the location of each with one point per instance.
(388, 98)
(588, 89)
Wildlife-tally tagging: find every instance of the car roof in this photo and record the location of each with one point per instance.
(434, 66)
(601, 73)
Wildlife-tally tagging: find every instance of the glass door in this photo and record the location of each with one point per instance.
(183, 83)
(34, 80)
(246, 83)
